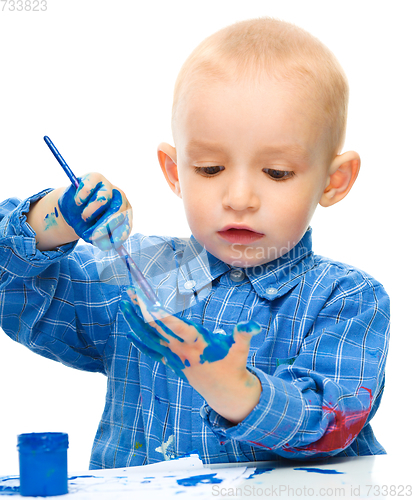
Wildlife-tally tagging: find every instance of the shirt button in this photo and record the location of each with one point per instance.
(188, 285)
(271, 290)
(237, 275)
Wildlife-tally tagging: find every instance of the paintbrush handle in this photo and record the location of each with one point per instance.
(62, 162)
(138, 276)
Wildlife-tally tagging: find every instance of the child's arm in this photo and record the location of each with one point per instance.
(316, 406)
(214, 364)
(47, 298)
(47, 222)
(91, 212)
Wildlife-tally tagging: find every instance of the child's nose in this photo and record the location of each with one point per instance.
(241, 194)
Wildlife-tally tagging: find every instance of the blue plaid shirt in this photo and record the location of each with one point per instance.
(320, 356)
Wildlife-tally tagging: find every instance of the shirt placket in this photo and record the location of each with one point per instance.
(220, 305)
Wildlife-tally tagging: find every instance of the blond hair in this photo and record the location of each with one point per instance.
(277, 49)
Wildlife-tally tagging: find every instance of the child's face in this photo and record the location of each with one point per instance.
(251, 170)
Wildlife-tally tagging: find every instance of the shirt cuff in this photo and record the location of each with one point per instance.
(18, 252)
(271, 424)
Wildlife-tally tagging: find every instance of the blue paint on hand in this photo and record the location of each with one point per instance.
(250, 327)
(149, 340)
(50, 220)
(106, 227)
(219, 344)
(167, 330)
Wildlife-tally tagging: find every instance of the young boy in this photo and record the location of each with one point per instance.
(272, 351)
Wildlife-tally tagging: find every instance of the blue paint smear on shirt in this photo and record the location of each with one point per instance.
(204, 479)
(319, 471)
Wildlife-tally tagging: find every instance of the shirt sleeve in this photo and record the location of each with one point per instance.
(52, 301)
(318, 405)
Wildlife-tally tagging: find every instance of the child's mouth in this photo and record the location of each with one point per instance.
(242, 236)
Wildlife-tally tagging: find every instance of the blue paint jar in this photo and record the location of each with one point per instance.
(43, 462)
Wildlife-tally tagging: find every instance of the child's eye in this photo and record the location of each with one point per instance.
(279, 175)
(209, 171)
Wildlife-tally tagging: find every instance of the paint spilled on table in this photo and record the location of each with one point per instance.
(319, 471)
(258, 472)
(203, 478)
(10, 485)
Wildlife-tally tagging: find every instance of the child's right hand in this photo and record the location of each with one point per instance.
(97, 211)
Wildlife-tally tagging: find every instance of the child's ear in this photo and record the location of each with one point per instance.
(342, 174)
(167, 157)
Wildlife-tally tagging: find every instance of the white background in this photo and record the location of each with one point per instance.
(97, 76)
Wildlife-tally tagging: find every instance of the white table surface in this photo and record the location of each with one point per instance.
(378, 477)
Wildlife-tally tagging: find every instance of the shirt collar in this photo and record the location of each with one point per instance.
(198, 268)
(276, 278)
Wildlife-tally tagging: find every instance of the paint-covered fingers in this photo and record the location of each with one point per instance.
(93, 194)
(97, 211)
(138, 298)
(142, 331)
(177, 328)
(112, 222)
(243, 333)
(110, 231)
(160, 319)
(246, 329)
(150, 342)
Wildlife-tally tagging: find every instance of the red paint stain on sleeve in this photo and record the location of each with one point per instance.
(340, 432)
(261, 445)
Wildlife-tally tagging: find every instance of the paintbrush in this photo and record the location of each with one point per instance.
(129, 262)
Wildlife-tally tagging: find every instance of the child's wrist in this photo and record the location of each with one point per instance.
(236, 401)
(48, 223)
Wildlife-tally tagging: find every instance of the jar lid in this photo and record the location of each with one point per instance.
(42, 441)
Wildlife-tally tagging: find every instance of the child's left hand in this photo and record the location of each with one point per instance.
(213, 363)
